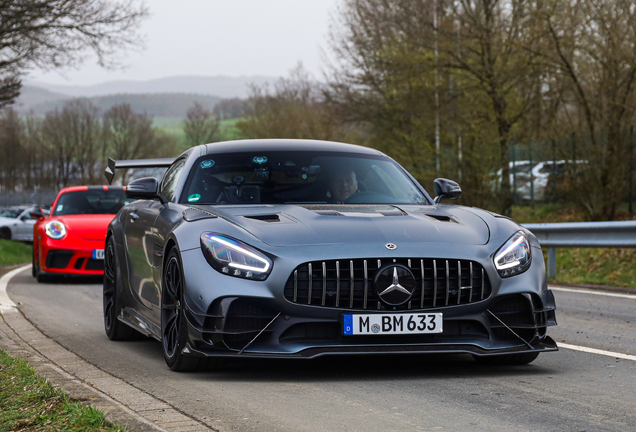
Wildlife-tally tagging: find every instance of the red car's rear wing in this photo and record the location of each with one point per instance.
(113, 165)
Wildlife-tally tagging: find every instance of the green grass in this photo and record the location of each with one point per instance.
(30, 403)
(174, 126)
(615, 267)
(14, 252)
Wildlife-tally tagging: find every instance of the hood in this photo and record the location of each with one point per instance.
(88, 227)
(294, 225)
(8, 221)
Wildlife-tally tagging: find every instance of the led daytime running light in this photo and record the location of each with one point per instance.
(243, 251)
(506, 252)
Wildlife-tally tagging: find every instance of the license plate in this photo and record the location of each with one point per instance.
(382, 324)
(98, 254)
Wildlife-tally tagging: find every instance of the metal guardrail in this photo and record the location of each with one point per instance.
(582, 234)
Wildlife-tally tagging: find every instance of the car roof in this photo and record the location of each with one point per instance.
(287, 145)
(84, 188)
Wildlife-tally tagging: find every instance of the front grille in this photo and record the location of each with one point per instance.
(58, 258)
(244, 320)
(93, 264)
(348, 284)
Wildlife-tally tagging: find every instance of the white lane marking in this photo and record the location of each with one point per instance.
(6, 304)
(600, 293)
(598, 351)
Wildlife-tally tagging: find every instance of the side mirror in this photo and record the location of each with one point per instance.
(37, 213)
(446, 189)
(143, 188)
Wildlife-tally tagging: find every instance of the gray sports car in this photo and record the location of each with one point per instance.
(297, 248)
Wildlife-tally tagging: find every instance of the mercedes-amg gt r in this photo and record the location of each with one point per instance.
(298, 248)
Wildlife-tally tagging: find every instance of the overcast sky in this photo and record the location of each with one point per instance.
(218, 37)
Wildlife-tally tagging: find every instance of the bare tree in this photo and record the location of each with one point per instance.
(11, 131)
(127, 135)
(71, 138)
(590, 46)
(50, 34)
(200, 125)
(401, 64)
(294, 108)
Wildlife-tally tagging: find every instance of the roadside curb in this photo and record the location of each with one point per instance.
(122, 403)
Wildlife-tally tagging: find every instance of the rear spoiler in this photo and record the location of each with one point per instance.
(113, 165)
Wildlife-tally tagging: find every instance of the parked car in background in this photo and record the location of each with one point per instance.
(546, 177)
(520, 178)
(17, 223)
(70, 241)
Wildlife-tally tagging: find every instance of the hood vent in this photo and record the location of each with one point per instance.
(328, 213)
(265, 217)
(442, 218)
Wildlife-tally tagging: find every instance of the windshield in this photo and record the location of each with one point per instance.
(298, 178)
(91, 202)
(10, 214)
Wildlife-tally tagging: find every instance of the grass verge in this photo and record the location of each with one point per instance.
(30, 403)
(608, 266)
(14, 252)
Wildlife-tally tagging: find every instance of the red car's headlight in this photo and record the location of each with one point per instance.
(55, 229)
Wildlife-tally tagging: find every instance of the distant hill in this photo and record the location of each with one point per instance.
(221, 86)
(154, 104)
(31, 97)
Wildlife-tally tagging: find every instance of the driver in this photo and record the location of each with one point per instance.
(342, 184)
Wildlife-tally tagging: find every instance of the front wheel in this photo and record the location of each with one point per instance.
(507, 359)
(174, 329)
(5, 233)
(115, 329)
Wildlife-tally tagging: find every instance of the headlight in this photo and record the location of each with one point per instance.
(514, 256)
(234, 258)
(55, 229)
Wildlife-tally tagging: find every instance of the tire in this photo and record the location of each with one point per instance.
(174, 328)
(115, 329)
(5, 233)
(33, 272)
(507, 359)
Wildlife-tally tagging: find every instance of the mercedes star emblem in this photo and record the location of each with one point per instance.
(394, 284)
(390, 246)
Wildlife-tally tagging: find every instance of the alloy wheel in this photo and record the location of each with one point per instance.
(171, 308)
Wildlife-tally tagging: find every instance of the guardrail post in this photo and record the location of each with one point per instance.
(552, 263)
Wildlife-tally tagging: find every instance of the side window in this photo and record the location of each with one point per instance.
(170, 178)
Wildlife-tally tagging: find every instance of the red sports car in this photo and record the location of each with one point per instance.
(70, 241)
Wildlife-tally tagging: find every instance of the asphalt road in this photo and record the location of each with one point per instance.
(564, 391)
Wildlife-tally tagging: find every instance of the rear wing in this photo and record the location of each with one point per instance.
(114, 165)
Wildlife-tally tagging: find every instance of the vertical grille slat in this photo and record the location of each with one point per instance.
(423, 285)
(351, 284)
(434, 283)
(447, 283)
(459, 281)
(366, 285)
(324, 282)
(470, 291)
(437, 282)
(337, 283)
(311, 280)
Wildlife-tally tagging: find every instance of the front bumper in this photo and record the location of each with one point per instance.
(59, 257)
(231, 316)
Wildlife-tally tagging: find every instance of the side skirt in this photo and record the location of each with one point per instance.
(132, 319)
